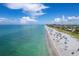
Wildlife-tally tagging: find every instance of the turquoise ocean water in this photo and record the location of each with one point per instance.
(22, 40)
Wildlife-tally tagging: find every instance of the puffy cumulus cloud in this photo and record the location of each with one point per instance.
(57, 19)
(73, 17)
(61, 20)
(33, 8)
(14, 5)
(27, 20)
(66, 20)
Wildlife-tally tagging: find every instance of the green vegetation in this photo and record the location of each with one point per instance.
(74, 32)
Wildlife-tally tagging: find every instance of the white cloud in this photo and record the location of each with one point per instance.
(27, 20)
(57, 19)
(66, 20)
(3, 20)
(33, 8)
(73, 17)
(13, 5)
(23, 20)
(7, 21)
(61, 20)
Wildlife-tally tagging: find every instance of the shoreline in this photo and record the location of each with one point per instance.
(50, 44)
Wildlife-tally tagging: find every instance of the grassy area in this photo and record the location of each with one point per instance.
(73, 34)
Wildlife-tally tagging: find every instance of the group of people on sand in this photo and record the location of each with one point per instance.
(58, 37)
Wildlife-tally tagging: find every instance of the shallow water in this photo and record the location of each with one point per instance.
(25, 40)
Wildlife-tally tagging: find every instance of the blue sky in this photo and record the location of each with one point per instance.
(39, 13)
